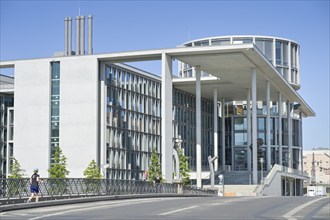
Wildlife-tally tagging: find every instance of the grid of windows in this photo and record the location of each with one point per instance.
(239, 124)
(55, 108)
(184, 125)
(133, 122)
(5, 102)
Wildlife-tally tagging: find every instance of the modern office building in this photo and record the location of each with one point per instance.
(233, 97)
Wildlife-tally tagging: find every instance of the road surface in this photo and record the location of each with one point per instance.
(185, 208)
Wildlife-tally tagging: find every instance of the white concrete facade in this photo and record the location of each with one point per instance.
(78, 113)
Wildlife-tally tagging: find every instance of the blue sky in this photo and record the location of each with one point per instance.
(35, 29)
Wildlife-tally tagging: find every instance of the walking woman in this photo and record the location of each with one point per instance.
(34, 188)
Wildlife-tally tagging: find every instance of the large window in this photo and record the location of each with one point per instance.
(55, 107)
(133, 122)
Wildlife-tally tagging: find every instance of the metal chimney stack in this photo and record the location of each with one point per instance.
(90, 34)
(77, 35)
(82, 35)
(67, 36)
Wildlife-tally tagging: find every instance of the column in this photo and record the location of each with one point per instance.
(301, 168)
(248, 116)
(280, 129)
(215, 127)
(198, 128)
(254, 126)
(223, 133)
(102, 152)
(167, 144)
(289, 114)
(268, 150)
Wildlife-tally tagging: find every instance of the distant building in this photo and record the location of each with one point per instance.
(317, 165)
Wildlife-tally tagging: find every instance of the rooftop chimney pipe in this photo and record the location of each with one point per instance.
(69, 36)
(65, 36)
(90, 34)
(82, 35)
(77, 35)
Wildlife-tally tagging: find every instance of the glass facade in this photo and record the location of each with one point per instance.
(184, 126)
(55, 108)
(236, 124)
(277, 51)
(6, 135)
(133, 118)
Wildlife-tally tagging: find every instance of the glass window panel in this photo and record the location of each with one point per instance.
(55, 70)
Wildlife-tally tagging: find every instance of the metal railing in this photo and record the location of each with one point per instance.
(18, 188)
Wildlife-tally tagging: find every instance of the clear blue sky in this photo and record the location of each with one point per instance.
(35, 29)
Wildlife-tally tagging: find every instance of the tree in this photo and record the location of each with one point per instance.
(184, 167)
(92, 171)
(154, 167)
(58, 168)
(16, 171)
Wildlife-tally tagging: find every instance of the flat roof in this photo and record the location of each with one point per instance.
(231, 66)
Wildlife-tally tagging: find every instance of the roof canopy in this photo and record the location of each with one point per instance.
(231, 66)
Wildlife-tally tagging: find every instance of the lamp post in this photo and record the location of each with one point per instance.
(222, 182)
(261, 174)
(103, 168)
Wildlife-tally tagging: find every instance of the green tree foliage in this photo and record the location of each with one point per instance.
(58, 168)
(184, 167)
(154, 167)
(16, 171)
(92, 171)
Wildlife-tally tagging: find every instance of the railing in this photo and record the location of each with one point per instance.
(18, 188)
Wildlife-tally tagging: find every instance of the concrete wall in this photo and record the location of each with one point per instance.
(275, 186)
(32, 115)
(78, 113)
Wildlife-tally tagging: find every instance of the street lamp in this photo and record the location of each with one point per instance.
(103, 168)
(222, 182)
(261, 173)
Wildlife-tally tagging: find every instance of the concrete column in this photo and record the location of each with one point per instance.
(274, 52)
(300, 145)
(223, 133)
(268, 151)
(290, 76)
(198, 128)
(254, 126)
(102, 114)
(248, 116)
(215, 127)
(289, 113)
(167, 143)
(280, 129)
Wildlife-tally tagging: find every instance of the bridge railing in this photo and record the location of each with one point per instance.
(18, 188)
